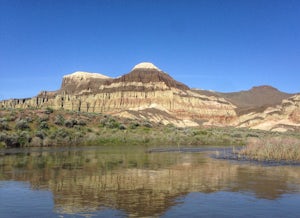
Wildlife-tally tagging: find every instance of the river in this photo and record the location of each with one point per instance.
(130, 182)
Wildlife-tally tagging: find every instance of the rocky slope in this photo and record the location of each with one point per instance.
(132, 95)
(257, 99)
(148, 93)
(282, 117)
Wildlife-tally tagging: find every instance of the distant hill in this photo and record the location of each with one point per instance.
(257, 99)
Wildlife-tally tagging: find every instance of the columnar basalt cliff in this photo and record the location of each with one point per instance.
(144, 87)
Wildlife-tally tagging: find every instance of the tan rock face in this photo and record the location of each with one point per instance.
(142, 88)
(83, 83)
(149, 93)
(283, 117)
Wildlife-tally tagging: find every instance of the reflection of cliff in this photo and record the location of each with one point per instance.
(138, 183)
(142, 192)
(269, 184)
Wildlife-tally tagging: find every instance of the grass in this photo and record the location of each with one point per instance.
(273, 149)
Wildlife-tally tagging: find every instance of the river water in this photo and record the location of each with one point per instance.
(129, 182)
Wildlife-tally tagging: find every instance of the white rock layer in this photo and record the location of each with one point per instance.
(145, 65)
(85, 75)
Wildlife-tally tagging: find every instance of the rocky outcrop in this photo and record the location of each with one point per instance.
(283, 117)
(148, 93)
(82, 83)
(144, 87)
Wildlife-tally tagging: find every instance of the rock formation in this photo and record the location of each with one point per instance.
(282, 117)
(146, 86)
(148, 93)
(82, 83)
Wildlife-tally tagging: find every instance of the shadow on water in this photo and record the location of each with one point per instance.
(138, 183)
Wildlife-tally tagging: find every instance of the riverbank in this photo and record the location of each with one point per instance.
(48, 127)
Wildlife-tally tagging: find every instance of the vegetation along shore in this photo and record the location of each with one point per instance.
(48, 127)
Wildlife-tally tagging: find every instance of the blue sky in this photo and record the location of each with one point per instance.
(223, 45)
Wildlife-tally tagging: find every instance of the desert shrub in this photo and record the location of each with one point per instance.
(147, 124)
(36, 142)
(15, 140)
(22, 125)
(4, 125)
(10, 140)
(2, 136)
(47, 142)
(122, 127)
(43, 125)
(43, 118)
(71, 123)
(59, 120)
(59, 134)
(49, 110)
(81, 123)
(109, 123)
(89, 130)
(3, 119)
(236, 135)
(252, 135)
(2, 145)
(24, 138)
(134, 125)
(40, 134)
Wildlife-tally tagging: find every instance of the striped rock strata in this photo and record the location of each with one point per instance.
(281, 118)
(132, 95)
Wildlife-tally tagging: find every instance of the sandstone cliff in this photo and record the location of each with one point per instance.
(148, 93)
(282, 117)
(146, 86)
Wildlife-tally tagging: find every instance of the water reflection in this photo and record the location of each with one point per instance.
(139, 183)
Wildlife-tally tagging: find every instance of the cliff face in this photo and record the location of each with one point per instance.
(82, 83)
(282, 117)
(144, 87)
(148, 93)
